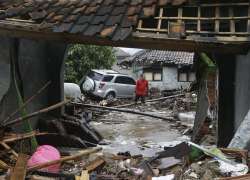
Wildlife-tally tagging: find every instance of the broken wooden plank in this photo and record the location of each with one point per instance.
(45, 110)
(68, 158)
(151, 100)
(84, 175)
(19, 171)
(16, 137)
(6, 146)
(94, 164)
(171, 119)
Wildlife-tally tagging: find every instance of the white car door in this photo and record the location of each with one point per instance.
(130, 87)
(125, 86)
(120, 86)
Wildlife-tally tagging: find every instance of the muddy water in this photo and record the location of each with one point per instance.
(135, 133)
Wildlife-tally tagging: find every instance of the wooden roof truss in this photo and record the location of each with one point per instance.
(228, 20)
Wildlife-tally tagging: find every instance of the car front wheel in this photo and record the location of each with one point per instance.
(110, 96)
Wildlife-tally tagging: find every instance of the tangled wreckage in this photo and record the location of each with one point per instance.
(35, 35)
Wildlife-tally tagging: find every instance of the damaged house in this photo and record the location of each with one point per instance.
(35, 35)
(165, 70)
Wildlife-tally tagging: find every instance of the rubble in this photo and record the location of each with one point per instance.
(179, 159)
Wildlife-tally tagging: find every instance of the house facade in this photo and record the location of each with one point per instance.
(165, 70)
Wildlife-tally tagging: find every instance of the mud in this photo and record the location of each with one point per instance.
(135, 133)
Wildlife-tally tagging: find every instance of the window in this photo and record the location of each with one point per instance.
(107, 78)
(186, 76)
(153, 74)
(124, 80)
(148, 76)
(95, 76)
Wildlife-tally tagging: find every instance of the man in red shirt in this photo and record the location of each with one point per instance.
(141, 89)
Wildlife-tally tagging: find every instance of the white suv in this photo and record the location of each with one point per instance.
(108, 84)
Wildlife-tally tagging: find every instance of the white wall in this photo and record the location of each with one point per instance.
(169, 80)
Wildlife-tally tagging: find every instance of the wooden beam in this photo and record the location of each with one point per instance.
(19, 171)
(199, 19)
(140, 40)
(6, 146)
(73, 157)
(217, 22)
(232, 23)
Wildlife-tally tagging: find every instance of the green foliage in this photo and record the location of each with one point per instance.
(82, 58)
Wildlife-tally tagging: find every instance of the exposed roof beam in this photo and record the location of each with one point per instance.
(137, 40)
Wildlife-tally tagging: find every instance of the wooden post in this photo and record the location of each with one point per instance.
(19, 171)
(217, 21)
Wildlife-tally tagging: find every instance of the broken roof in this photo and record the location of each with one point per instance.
(146, 57)
(117, 23)
(113, 19)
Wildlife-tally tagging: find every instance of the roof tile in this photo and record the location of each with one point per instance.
(146, 57)
(104, 10)
(119, 10)
(104, 18)
(114, 20)
(121, 34)
(133, 10)
(78, 28)
(136, 2)
(108, 31)
(71, 18)
(149, 2)
(93, 30)
(65, 27)
(92, 9)
(79, 10)
(99, 19)
(148, 11)
(85, 19)
(39, 14)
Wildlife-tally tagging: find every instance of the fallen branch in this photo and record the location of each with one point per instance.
(148, 101)
(45, 110)
(17, 137)
(27, 101)
(83, 153)
(124, 110)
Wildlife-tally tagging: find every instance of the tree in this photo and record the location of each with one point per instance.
(82, 58)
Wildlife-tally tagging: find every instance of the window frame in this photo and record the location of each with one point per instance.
(108, 76)
(134, 83)
(154, 71)
(187, 72)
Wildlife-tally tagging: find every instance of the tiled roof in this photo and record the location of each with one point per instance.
(113, 19)
(146, 57)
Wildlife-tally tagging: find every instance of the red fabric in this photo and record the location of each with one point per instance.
(141, 87)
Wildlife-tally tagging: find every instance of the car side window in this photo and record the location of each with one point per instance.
(107, 78)
(124, 80)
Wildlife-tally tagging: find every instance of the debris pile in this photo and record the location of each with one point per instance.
(185, 160)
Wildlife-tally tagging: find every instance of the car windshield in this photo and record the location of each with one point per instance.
(95, 76)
